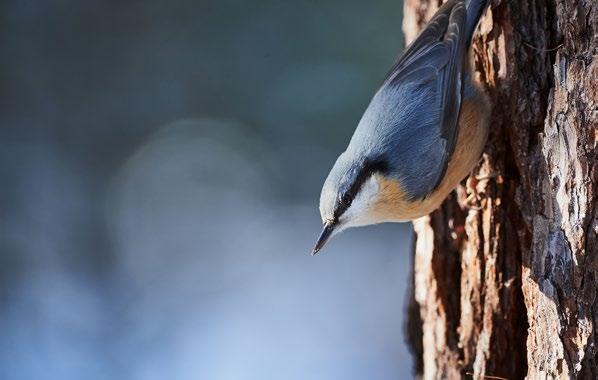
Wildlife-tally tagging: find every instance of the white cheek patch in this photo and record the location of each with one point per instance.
(359, 214)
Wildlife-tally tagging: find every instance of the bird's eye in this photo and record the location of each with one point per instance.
(346, 199)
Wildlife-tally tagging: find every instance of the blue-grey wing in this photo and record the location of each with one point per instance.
(430, 72)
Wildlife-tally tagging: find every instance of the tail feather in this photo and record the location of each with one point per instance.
(475, 10)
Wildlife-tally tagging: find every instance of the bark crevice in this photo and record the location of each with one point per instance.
(523, 302)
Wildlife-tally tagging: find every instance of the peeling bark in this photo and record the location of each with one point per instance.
(508, 289)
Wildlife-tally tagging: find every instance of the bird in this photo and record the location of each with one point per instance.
(422, 133)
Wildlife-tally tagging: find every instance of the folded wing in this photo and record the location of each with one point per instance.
(431, 65)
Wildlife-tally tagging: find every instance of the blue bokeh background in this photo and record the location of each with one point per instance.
(160, 168)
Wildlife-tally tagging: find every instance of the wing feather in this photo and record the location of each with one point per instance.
(433, 63)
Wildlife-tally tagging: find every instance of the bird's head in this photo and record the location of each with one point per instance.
(353, 195)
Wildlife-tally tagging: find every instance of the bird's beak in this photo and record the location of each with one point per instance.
(326, 234)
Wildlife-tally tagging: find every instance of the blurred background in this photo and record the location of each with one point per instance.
(160, 169)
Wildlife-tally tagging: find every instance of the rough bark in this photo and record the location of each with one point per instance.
(507, 287)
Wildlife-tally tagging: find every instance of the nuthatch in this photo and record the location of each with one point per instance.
(422, 133)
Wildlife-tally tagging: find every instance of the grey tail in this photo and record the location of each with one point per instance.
(475, 10)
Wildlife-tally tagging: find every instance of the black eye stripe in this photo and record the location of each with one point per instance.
(345, 200)
(363, 172)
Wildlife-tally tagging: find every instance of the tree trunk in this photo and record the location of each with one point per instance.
(507, 287)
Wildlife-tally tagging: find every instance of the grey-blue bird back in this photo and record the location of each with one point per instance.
(412, 121)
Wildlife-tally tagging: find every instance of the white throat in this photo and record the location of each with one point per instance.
(360, 212)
